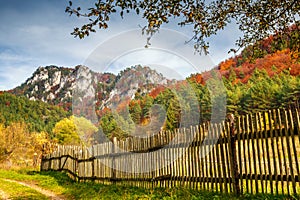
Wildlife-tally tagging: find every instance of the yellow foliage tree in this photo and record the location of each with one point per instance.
(74, 131)
(85, 129)
(18, 146)
(65, 132)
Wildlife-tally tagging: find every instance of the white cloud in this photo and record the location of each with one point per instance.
(38, 33)
(11, 76)
(170, 65)
(167, 49)
(8, 56)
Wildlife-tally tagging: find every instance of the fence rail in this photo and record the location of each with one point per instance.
(260, 153)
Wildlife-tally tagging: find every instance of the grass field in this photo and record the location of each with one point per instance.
(64, 188)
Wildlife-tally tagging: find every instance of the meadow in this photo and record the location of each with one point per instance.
(57, 185)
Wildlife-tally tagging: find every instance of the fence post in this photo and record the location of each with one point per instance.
(233, 157)
(113, 167)
(93, 163)
(60, 157)
(42, 158)
(76, 163)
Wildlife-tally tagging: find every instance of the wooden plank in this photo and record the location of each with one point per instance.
(155, 155)
(222, 155)
(272, 140)
(276, 131)
(283, 148)
(169, 153)
(135, 162)
(244, 128)
(227, 147)
(209, 136)
(218, 152)
(198, 158)
(173, 159)
(199, 169)
(297, 127)
(257, 126)
(267, 153)
(286, 126)
(297, 121)
(113, 161)
(179, 157)
(233, 159)
(254, 153)
(263, 151)
(96, 166)
(184, 158)
(100, 161)
(93, 163)
(165, 159)
(150, 154)
(201, 155)
(215, 163)
(239, 148)
(206, 157)
(194, 160)
(293, 140)
(189, 159)
(60, 159)
(249, 150)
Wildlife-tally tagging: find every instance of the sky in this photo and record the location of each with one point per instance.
(37, 33)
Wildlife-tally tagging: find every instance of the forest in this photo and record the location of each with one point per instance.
(263, 76)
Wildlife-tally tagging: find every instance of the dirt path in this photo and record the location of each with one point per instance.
(47, 193)
(3, 195)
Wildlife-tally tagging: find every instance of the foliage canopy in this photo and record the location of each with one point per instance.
(256, 19)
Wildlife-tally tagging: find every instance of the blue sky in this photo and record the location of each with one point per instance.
(37, 33)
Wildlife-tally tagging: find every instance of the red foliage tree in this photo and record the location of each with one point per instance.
(227, 64)
(156, 91)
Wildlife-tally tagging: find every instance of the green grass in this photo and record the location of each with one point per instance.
(16, 191)
(44, 180)
(61, 184)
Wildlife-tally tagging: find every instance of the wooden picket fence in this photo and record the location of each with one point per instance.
(260, 153)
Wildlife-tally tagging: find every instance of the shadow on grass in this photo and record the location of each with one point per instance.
(91, 190)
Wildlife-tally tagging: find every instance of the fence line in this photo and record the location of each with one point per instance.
(259, 154)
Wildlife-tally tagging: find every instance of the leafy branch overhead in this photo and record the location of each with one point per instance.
(257, 19)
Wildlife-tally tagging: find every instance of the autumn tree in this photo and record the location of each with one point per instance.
(14, 138)
(173, 115)
(146, 105)
(85, 129)
(18, 144)
(256, 19)
(109, 125)
(135, 111)
(113, 124)
(65, 132)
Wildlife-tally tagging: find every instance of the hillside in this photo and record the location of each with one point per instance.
(39, 116)
(274, 54)
(263, 76)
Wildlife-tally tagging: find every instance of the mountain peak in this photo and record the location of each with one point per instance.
(55, 85)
